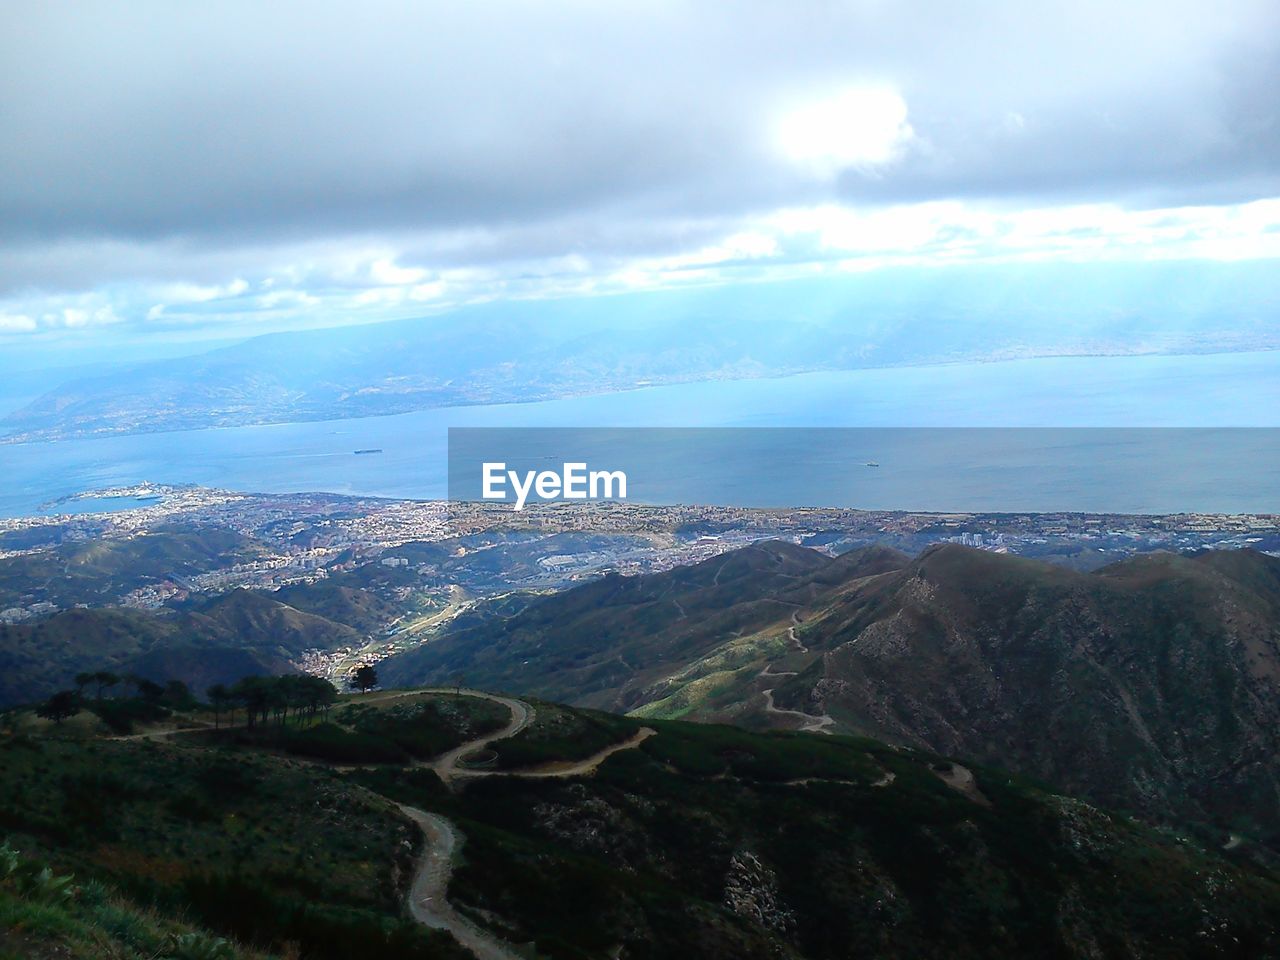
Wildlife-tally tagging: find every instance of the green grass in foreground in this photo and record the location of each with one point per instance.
(45, 914)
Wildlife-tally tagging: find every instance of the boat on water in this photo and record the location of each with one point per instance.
(370, 450)
(872, 463)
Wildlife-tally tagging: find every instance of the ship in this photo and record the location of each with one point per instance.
(370, 450)
(872, 463)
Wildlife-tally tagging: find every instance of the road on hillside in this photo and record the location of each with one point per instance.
(428, 901)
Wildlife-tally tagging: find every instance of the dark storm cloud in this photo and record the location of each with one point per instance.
(291, 120)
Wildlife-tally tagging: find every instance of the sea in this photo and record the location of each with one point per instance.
(1130, 434)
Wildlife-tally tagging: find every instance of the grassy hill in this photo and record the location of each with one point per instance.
(258, 848)
(595, 643)
(46, 915)
(363, 611)
(701, 840)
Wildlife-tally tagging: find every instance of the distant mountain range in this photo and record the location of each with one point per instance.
(536, 350)
(1150, 685)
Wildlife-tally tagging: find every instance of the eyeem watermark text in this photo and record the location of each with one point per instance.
(573, 482)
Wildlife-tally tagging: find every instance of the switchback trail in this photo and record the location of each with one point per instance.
(791, 632)
(446, 766)
(428, 903)
(812, 724)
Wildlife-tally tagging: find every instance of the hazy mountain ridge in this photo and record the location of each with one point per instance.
(534, 350)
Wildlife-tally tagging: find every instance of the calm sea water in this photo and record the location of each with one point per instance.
(1152, 470)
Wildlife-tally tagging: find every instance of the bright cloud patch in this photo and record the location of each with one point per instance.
(861, 128)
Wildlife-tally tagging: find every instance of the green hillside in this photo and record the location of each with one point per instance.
(216, 640)
(1152, 685)
(561, 834)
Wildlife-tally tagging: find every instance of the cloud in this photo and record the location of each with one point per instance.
(348, 283)
(293, 163)
(860, 128)
(16, 323)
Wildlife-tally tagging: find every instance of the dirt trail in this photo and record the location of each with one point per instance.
(567, 768)
(812, 724)
(446, 765)
(961, 780)
(427, 902)
(791, 632)
(769, 672)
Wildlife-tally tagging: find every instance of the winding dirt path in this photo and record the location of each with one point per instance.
(567, 768)
(428, 901)
(446, 765)
(811, 724)
(791, 632)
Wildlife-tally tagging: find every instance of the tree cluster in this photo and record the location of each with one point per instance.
(278, 698)
(153, 697)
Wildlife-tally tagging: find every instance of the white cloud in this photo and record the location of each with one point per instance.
(389, 273)
(860, 128)
(16, 323)
(356, 281)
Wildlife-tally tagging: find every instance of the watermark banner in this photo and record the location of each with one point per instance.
(1103, 470)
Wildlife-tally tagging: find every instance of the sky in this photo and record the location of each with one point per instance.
(175, 172)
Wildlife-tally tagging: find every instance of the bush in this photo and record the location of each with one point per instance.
(328, 741)
(121, 715)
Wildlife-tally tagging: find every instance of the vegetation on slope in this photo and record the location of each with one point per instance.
(715, 842)
(255, 847)
(46, 915)
(1152, 685)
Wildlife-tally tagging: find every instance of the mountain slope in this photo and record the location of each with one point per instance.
(1151, 685)
(218, 640)
(359, 609)
(252, 618)
(99, 571)
(591, 644)
(680, 840)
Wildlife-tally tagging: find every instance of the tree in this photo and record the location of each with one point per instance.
(177, 695)
(148, 690)
(104, 679)
(255, 694)
(365, 678)
(82, 681)
(315, 693)
(61, 705)
(219, 696)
